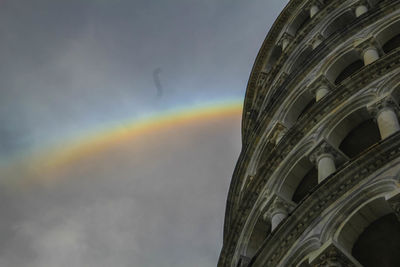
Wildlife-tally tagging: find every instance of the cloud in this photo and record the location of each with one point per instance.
(155, 200)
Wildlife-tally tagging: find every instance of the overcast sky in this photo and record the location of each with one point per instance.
(72, 66)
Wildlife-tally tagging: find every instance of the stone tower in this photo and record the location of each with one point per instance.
(317, 182)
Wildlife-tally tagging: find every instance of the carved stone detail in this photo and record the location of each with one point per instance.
(262, 79)
(316, 40)
(278, 205)
(278, 131)
(386, 102)
(331, 254)
(324, 147)
(285, 40)
(317, 83)
(364, 44)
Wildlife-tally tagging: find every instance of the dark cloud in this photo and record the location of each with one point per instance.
(157, 201)
(71, 66)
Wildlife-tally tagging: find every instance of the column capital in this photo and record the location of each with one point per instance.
(317, 83)
(324, 148)
(362, 2)
(278, 205)
(332, 254)
(386, 102)
(318, 3)
(363, 45)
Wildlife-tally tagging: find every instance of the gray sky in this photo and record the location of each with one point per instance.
(73, 66)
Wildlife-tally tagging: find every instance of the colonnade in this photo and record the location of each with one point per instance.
(314, 8)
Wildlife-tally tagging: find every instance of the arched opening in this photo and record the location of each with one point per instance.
(299, 22)
(343, 67)
(349, 70)
(301, 59)
(299, 107)
(339, 23)
(392, 44)
(364, 135)
(260, 232)
(359, 221)
(307, 107)
(309, 181)
(389, 37)
(355, 133)
(379, 243)
(300, 180)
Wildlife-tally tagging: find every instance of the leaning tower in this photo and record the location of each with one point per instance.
(317, 182)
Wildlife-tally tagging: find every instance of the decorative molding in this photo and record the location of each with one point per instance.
(278, 131)
(332, 254)
(385, 102)
(317, 83)
(278, 204)
(324, 147)
(362, 45)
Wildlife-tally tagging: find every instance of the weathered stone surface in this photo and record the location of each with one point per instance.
(279, 153)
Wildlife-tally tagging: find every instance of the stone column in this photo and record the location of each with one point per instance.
(369, 50)
(370, 54)
(278, 211)
(385, 111)
(333, 255)
(361, 9)
(320, 87)
(314, 9)
(325, 156)
(322, 91)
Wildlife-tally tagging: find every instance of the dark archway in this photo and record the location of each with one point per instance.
(352, 68)
(299, 22)
(339, 23)
(379, 244)
(309, 181)
(260, 232)
(392, 44)
(360, 138)
(307, 108)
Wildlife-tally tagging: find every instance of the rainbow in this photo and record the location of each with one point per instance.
(72, 148)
